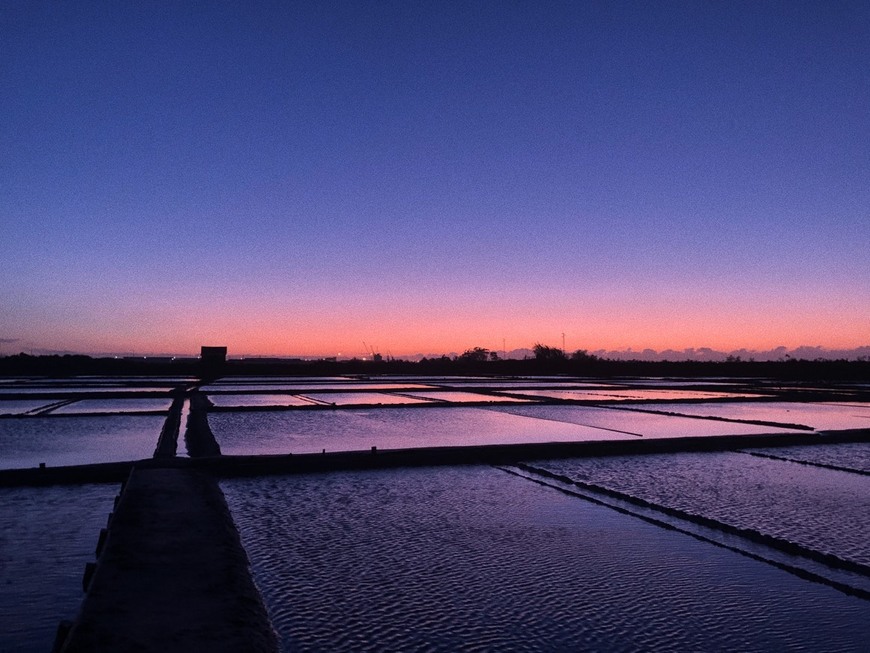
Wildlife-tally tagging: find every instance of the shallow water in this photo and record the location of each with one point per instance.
(530, 384)
(21, 406)
(473, 559)
(459, 397)
(46, 537)
(85, 406)
(286, 387)
(387, 428)
(633, 395)
(816, 415)
(823, 510)
(79, 389)
(852, 455)
(230, 380)
(235, 401)
(349, 398)
(641, 424)
(26, 442)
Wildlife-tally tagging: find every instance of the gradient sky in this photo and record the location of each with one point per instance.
(300, 178)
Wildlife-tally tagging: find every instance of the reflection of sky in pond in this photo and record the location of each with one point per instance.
(852, 455)
(53, 390)
(676, 383)
(277, 379)
(84, 406)
(26, 442)
(391, 428)
(626, 395)
(821, 509)
(462, 397)
(644, 424)
(346, 398)
(818, 416)
(46, 537)
(20, 406)
(471, 558)
(310, 386)
(113, 380)
(257, 400)
(493, 383)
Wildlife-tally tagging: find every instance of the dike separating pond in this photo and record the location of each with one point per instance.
(493, 454)
(171, 575)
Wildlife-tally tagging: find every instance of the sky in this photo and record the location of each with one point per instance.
(328, 178)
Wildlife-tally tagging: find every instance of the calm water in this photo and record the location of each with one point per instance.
(373, 398)
(85, 406)
(78, 389)
(646, 425)
(283, 387)
(388, 428)
(633, 395)
(820, 509)
(46, 537)
(816, 415)
(454, 396)
(26, 442)
(21, 406)
(233, 401)
(474, 559)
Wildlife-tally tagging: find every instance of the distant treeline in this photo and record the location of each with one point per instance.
(477, 361)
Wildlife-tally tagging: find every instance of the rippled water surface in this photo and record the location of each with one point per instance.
(821, 509)
(46, 537)
(26, 442)
(474, 559)
(388, 428)
(854, 455)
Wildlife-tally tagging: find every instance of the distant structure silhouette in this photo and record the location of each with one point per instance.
(213, 355)
(212, 360)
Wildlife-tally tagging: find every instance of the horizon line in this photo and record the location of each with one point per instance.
(802, 352)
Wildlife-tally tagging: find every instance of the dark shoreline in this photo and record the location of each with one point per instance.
(790, 369)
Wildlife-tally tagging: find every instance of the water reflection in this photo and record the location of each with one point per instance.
(27, 442)
(475, 559)
(46, 537)
(389, 428)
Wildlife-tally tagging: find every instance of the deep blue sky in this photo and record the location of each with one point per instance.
(300, 178)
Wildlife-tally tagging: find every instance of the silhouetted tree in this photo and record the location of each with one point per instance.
(548, 354)
(475, 355)
(583, 355)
